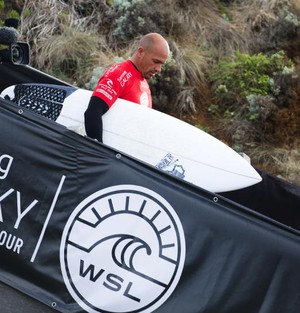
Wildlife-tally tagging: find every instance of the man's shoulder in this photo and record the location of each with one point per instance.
(119, 67)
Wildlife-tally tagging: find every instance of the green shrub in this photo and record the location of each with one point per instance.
(128, 19)
(13, 14)
(248, 74)
(166, 85)
(238, 82)
(249, 91)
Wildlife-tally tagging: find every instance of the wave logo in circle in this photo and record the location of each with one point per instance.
(122, 250)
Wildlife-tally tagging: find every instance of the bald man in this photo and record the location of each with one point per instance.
(127, 80)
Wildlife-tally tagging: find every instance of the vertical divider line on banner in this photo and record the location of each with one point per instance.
(48, 218)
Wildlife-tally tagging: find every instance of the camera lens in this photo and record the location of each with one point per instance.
(17, 54)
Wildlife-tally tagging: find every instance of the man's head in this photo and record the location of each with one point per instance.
(152, 52)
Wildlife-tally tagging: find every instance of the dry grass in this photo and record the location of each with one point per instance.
(69, 52)
(44, 18)
(60, 39)
(290, 170)
(201, 24)
(264, 23)
(52, 14)
(191, 65)
(281, 162)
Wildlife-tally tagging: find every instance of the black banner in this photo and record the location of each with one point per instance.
(86, 228)
(273, 197)
(12, 74)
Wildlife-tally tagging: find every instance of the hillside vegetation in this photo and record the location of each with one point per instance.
(234, 69)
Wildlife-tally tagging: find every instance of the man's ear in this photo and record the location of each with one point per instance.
(141, 51)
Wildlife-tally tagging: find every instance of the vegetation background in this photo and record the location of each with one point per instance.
(234, 69)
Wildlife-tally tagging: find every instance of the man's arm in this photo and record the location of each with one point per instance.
(93, 118)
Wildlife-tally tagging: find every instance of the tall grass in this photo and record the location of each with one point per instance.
(282, 162)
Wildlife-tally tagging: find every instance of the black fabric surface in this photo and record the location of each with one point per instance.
(273, 197)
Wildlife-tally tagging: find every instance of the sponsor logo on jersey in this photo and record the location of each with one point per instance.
(124, 77)
(109, 83)
(144, 100)
(106, 94)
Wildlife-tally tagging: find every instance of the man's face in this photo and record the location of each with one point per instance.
(151, 62)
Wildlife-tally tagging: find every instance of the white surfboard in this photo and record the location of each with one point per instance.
(158, 139)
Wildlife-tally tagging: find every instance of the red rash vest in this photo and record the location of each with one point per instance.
(123, 81)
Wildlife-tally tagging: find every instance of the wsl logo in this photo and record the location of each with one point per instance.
(122, 250)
